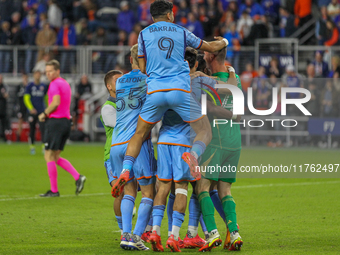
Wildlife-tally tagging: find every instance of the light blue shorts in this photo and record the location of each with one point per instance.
(156, 104)
(144, 167)
(110, 175)
(170, 165)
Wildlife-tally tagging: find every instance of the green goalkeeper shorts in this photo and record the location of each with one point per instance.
(219, 165)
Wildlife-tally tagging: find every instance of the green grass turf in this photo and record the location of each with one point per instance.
(276, 216)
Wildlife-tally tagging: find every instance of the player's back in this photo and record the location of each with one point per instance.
(130, 97)
(163, 45)
(60, 87)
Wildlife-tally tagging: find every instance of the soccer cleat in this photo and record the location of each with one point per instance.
(146, 236)
(124, 241)
(193, 242)
(193, 164)
(135, 243)
(49, 193)
(180, 243)
(235, 241)
(227, 240)
(156, 242)
(212, 242)
(173, 244)
(80, 184)
(118, 187)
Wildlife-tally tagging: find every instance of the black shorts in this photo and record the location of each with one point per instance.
(57, 131)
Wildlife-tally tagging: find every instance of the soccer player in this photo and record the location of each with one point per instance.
(130, 96)
(161, 49)
(57, 129)
(108, 118)
(35, 99)
(224, 151)
(22, 110)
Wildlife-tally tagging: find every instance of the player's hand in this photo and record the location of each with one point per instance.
(220, 38)
(198, 74)
(42, 117)
(33, 111)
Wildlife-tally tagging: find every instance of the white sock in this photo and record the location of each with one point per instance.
(193, 153)
(193, 230)
(121, 232)
(157, 229)
(206, 234)
(175, 231)
(169, 233)
(148, 228)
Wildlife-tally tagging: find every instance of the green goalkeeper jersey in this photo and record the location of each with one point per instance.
(109, 126)
(224, 136)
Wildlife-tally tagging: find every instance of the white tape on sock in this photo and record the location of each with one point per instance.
(181, 191)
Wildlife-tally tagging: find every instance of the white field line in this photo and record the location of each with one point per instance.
(235, 187)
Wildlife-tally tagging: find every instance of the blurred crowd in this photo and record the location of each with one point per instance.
(113, 22)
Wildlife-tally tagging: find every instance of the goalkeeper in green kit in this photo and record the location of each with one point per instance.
(224, 151)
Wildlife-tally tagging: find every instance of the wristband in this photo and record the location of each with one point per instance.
(226, 42)
(231, 69)
(234, 117)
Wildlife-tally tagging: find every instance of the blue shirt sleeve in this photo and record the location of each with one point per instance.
(141, 53)
(192, 40)
(208, 82)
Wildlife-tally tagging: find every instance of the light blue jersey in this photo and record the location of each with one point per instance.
(130, 97)
(174, 130)
(163, 44)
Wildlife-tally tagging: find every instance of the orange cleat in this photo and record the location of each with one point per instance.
(212, 242)
(192, 243)
(146, 236)
(118, 187)
(227, 241)
(156, 242)
(173, 244)
(193, 164)
(180, 243)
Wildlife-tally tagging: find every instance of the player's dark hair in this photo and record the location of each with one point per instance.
(191, 56)
(109, 75)
(160, 8)
(53, 63)
(202, 65)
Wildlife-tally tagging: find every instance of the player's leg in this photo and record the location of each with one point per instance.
(216, 200)
(126, 207)
(192, 239)
(64, 126)
(169, 207)
(208, 212)
(180, 204)
(32, 120)
(228, 202)
(42, 131)
(50, 157)
(144, 213)
(158, 214)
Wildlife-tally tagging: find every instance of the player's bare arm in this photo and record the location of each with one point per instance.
(142, 65)
(214, 46)
(218, 111)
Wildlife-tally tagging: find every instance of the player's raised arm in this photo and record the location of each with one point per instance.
(141, 54)
(214, 46)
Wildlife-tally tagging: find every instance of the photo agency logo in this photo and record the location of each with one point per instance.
(238, 105)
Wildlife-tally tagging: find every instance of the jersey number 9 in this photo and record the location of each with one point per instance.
(166, 44)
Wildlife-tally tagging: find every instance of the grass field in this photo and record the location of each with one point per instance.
(276, 216)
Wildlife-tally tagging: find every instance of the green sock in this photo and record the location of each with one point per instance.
(229, 207)
(208, 210)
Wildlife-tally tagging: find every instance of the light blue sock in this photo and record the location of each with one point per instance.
(198, 148)
(128, 162)
(194, 211)
(158, 214)
(144, 211)
(126, 207)
(169, 210)
(203, 226)
(217, 203)
(119, 220)
(177, 220)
